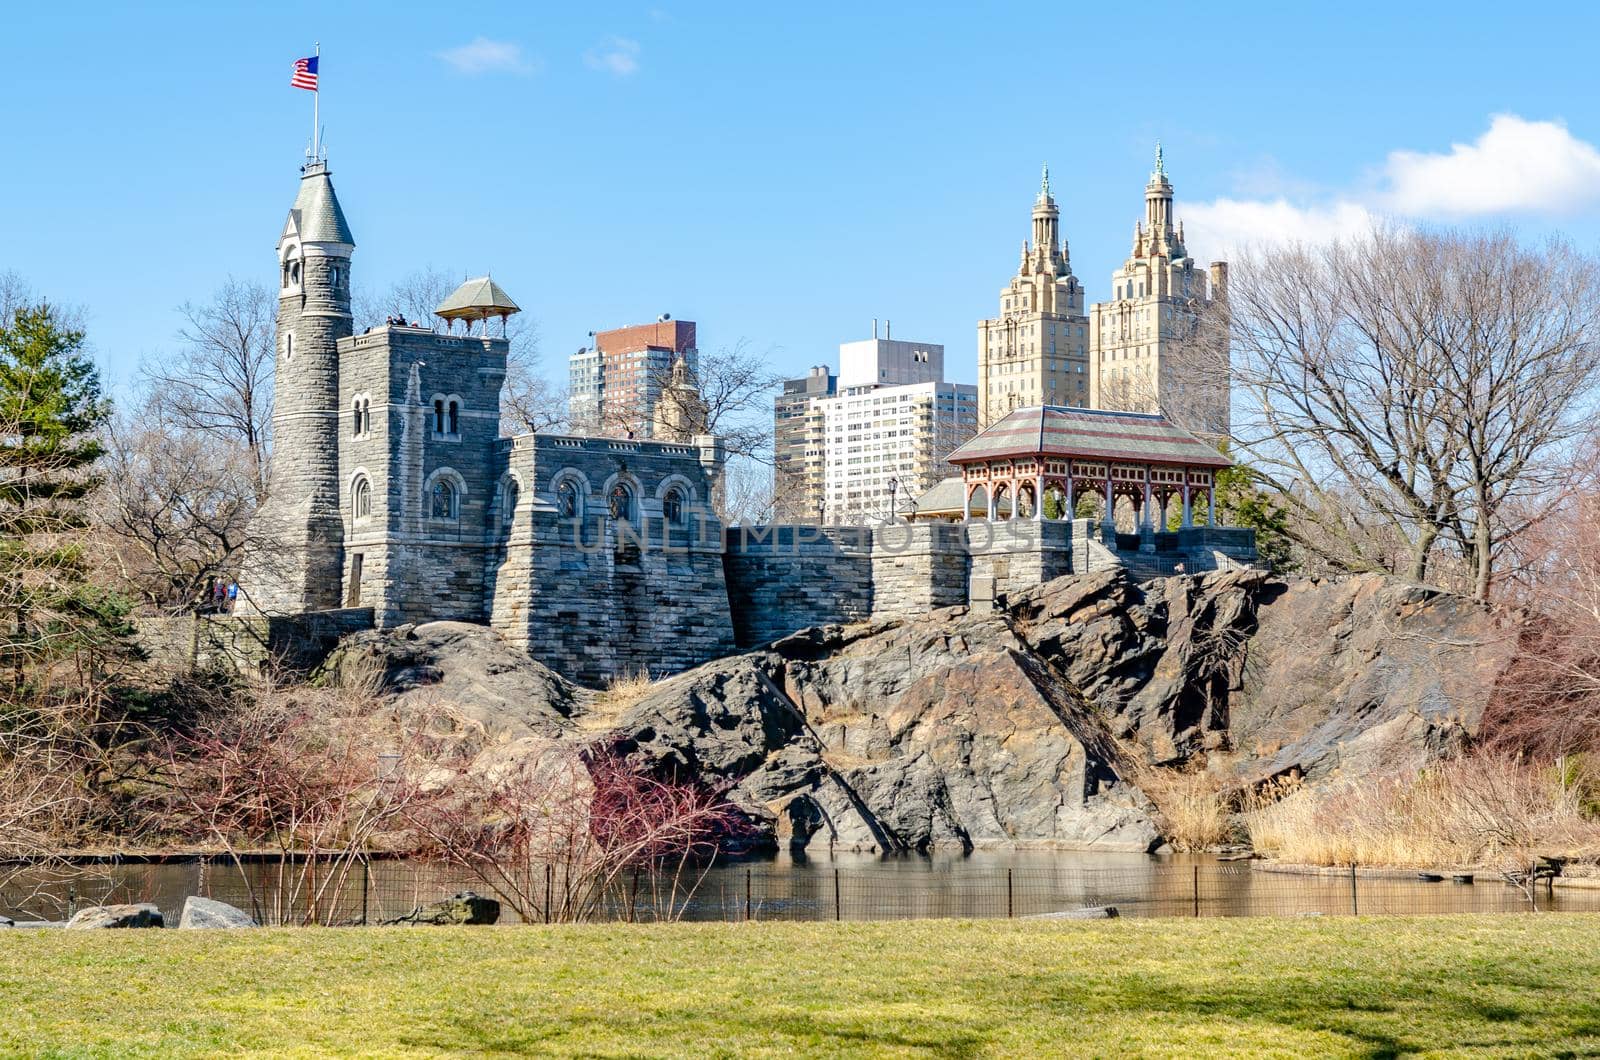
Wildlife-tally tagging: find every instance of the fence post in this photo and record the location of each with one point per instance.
(72, 900)
(365, 887)
(838, 906)
(1197, 890)
(1355, 909)
(747, 903)
(1011, 908)
(549, 883)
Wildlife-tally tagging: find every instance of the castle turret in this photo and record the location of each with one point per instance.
(297, 564)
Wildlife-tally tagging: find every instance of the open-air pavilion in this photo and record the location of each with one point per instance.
(1039, 462)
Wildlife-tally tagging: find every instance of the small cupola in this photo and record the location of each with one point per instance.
(479, 299)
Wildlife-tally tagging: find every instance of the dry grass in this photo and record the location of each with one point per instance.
(1194, 805)
(619, 695)
(1485, 810)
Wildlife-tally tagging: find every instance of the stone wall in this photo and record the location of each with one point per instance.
(917, 567)
(784, 578)
(292, 644)
(596, 597)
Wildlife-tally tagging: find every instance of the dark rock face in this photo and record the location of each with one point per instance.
(467, 907)
(142, 915)
(960, 729)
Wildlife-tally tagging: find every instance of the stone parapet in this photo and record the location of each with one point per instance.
(288, 644)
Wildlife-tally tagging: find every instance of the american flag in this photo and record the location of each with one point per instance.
(305, 74)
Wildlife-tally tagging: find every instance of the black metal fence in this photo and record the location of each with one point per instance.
(378, 891)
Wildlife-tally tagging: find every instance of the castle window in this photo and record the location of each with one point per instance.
(288, 346)
(567, 500)
(361, 498)
(294, 272)
(508, 501)
(672, 506)
(455, 417)
(443, 503)
(621, 502)
(438, 416)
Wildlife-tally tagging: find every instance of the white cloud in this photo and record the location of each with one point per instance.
(1516, 166)
(1224, 227)
(618, 55)
(485, 56)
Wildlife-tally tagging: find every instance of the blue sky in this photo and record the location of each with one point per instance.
(779, 173)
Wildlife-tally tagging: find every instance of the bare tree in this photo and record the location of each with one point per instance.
(220, 382)
(1404, 393)
(177, 505)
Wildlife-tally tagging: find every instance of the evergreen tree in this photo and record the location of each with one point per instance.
(50, 410)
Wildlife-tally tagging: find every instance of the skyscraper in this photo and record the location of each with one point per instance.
(615, 386)
(799, 445)
(1036, 351)
(890, 427)
(1141, 362)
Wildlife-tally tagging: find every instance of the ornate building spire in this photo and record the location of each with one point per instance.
(1044, 184)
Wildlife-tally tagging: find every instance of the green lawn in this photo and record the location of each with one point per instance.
(1520, 984)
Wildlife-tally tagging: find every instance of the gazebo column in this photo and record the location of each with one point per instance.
(1068, 512)
(1188, 502)
(1211, 504)
(1108, 526)
(1038, 498)
(966, 501)
(1147, 529)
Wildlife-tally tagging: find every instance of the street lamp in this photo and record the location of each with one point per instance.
(822, 508)
(894, 486)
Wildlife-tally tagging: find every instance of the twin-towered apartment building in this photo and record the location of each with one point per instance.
(850, 447)
(866, 441)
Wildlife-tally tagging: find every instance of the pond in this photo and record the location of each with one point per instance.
(852, 887)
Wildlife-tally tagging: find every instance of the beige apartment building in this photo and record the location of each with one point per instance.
(1036, 352)
(1139, 359)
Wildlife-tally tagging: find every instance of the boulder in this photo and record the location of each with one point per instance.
(140, 915)
(206, 913)
(464, 907)
(465, 669)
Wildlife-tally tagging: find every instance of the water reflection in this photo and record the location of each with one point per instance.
(851, 887)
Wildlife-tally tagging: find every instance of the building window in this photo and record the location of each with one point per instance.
(455, 417)
(444, 503)
(438, 415)
(446, 417)
(361, 498)
(621, 502)
(509, 501)
(567, 500)
(672, 506)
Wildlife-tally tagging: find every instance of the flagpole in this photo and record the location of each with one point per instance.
(316, 110)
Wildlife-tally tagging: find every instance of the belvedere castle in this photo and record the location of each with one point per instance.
(394, 499)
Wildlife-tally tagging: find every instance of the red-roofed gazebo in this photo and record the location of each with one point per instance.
(1034, 452)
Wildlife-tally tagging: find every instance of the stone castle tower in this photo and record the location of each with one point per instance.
(1036, 351)
(297, 562)
(1139, 360)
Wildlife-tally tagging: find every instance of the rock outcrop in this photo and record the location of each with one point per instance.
(141, 915)
(960, 729)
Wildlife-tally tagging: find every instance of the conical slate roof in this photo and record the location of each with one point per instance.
(316, 213)
(477, 299)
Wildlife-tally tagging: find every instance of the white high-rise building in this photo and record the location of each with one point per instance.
(890, 427)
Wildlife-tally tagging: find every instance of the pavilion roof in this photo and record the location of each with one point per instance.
(476, 300)
(946, 496)
(1089, 434)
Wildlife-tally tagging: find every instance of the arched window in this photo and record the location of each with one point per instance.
(361, 498)
(288, 346)
(294, 272)
(621, 502)
(567, 500)
(355, 416)
(366, 415)
(508, 501)
(443, 503)
(455, 417)
(672, 506)
(438, 415)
